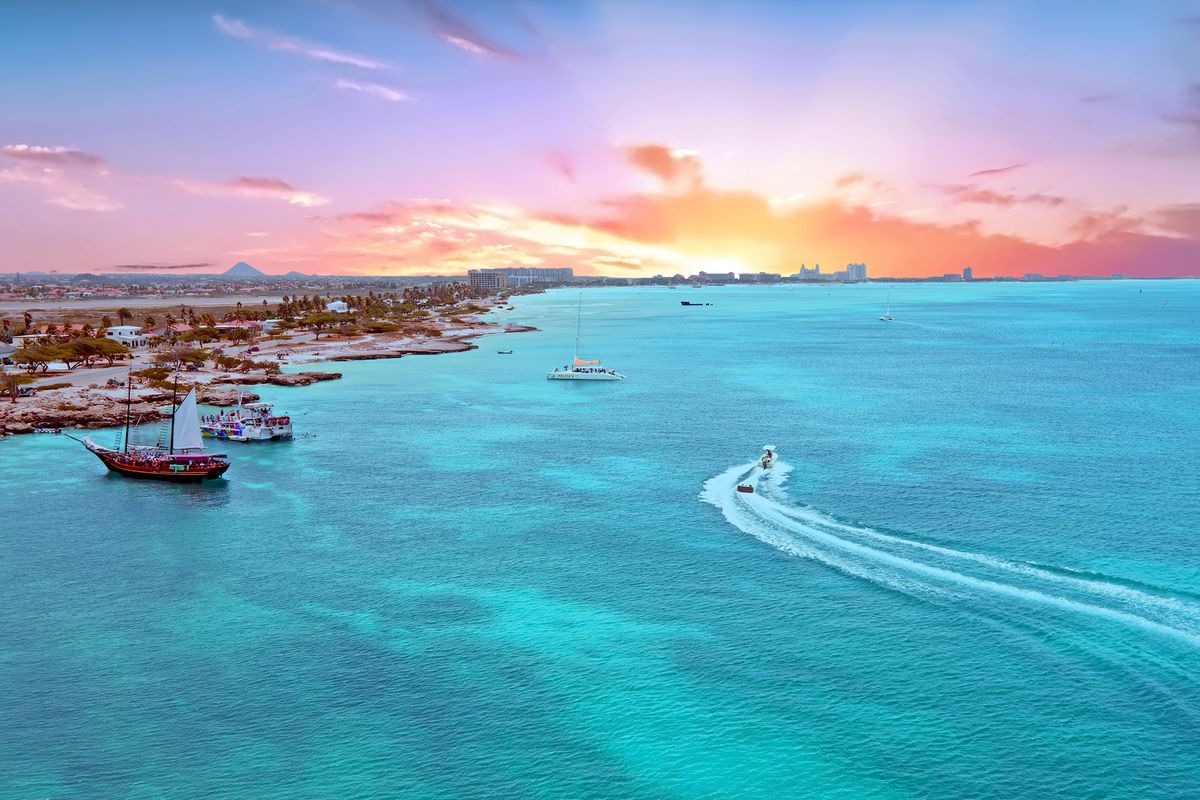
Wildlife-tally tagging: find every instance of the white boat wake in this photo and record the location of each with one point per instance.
(931, 570)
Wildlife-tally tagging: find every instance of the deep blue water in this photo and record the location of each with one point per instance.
(976, 575)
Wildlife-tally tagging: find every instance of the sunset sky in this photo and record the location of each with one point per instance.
(620, 138)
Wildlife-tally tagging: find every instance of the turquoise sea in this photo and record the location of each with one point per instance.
(976, 575)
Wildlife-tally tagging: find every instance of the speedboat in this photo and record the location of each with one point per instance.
(767, 460)
(504, 352)
(745, 488)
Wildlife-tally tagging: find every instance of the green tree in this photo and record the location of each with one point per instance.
(37, 356)
(123, 314)
(176, 357)
(321, 320)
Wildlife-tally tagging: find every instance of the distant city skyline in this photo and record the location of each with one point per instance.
(614, 138)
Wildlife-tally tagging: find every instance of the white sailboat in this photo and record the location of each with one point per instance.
(887, 315)
(583, 369)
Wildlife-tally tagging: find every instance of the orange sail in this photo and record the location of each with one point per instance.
(579, 362)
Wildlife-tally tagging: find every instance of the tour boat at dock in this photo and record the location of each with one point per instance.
(251, 422)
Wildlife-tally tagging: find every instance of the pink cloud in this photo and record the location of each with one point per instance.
(670, 165)
(974, 194)
(254, 186)
(985, 173)
(62, 156)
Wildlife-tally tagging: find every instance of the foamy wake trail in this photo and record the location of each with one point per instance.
(932, 570)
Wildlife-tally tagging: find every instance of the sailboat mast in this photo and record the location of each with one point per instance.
(578, 324)
(128, 405)
(174, 395)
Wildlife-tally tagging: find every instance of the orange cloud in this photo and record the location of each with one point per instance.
(672, 166)
(688, 226)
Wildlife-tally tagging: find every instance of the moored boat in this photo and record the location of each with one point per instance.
(250, 422)
(583, 369)
(182, 460)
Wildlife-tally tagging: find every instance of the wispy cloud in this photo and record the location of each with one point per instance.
(1189, 115)
(989, 197)
(63, 156)
(455, 30)
(286, 44)
(156, 266)
(60, 187)
(373, 89)
(561, 162)
(82, 199)
(254, 186)
(1104, 223)
(986, 173)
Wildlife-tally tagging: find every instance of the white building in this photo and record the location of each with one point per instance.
(128, 335)
(337, 306)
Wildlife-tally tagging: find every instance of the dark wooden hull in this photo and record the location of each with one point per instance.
(183, 473)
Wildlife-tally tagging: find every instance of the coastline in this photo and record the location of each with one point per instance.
(88, 405)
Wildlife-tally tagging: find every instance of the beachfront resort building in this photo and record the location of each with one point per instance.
(487, 279)
(504, 277)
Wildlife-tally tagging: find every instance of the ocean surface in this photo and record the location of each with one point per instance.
(976, 573)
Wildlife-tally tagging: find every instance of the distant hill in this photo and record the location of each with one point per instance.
(294, 274)
(243, 270)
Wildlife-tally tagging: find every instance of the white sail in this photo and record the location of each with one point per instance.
(187, 424)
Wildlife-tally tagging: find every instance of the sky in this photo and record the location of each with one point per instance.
(417, 137)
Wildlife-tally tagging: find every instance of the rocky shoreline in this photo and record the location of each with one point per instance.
(89, 408)
(98, 407)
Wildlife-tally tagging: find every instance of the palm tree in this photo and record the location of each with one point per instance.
(28, 319)
(149, 321)
(123, 314)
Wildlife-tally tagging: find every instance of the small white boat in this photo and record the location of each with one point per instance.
(252, 422)
(887, 315)
(583, 369)
(767, 460)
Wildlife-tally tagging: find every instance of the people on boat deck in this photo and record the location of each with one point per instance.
(158, 460)
(591, 370)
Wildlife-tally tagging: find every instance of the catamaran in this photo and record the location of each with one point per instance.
(251, 422)
(887, 315)
(583, 369)
(183, 458)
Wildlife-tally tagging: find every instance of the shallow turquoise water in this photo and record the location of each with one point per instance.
(979, 578)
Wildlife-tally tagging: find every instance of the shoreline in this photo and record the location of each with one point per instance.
(89, 405)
